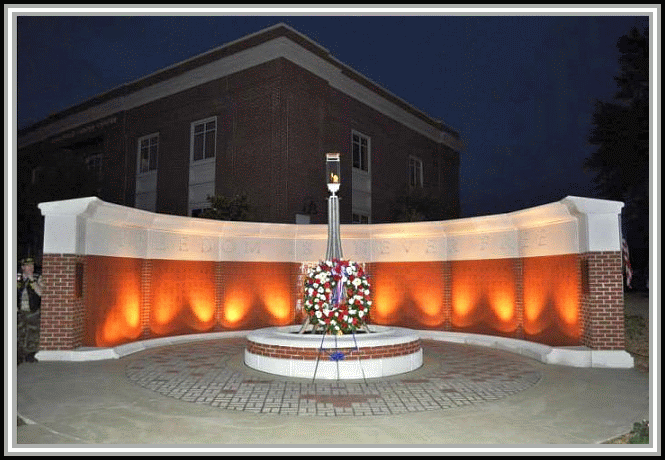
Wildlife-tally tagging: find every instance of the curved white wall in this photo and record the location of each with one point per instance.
(89, 226)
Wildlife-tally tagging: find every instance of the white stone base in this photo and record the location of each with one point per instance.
(566, 356)
(353, 368)
(333, 370)
(98, 354)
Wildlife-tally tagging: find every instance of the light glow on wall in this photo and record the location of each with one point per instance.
(551, 299)
(278, 306)
(122, 322)
(237, 303)
(386, 296)
(409, 294)
(183, 296)
(484, 296)
(258, 294)
(112, 301)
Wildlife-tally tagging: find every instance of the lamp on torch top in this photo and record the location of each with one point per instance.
(333, 172)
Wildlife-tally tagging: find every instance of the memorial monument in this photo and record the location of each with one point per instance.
(337, 301)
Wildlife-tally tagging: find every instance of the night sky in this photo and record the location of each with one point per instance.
(518, 89)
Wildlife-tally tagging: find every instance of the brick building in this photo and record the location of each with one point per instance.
(255, 116)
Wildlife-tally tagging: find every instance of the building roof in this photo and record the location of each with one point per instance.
(245, 52)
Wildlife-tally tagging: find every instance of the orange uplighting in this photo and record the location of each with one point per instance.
(503, 303)
(258, 294)
(430, 309)
(484, 296)
(236, 306)
(567, 308)
(182, 297)
(278, 306)
(551, 299)
(386, 297)
(464, 300)
(120, 325)
(112, 301)
(203, 306)
(408, 294)
(166, 309)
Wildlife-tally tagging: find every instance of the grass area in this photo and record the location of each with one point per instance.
(637, 344)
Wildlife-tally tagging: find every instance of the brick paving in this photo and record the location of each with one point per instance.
(212, 373)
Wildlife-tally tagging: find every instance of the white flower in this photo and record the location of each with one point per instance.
(320, 290)
(361, 313)
(352, 312)
(356, 282)
(318, 314)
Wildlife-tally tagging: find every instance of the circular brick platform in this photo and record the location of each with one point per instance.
(212, 373)
(283, 351)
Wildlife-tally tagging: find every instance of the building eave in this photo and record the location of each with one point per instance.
(228, 50)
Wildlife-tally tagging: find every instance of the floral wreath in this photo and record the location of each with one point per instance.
(337, 296)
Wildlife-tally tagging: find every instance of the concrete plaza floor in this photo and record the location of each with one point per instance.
(202, 394)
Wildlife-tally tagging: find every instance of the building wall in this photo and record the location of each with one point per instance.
(275, 122)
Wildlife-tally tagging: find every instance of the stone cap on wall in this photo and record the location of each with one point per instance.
(90, 226)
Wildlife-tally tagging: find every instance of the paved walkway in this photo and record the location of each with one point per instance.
(204, 373)
(200, 393)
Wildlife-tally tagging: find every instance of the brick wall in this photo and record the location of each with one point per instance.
(82, 298)
(534, 299)
(275, 122)
(386, 351)
(127, 299)
(62, 312)
(602, 303)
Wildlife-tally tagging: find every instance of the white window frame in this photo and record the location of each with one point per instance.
(148, 138)
(193, 125)
(361, 136)
(416, 174)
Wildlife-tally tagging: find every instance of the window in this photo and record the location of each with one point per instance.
(415, 172)
(359, 218)
(94, 164)
(148, 153)
(37, 174)
(360, 146)
(203, 143)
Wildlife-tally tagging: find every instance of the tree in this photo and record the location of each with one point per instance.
(221, 207)
(620, 130)
(415, 205)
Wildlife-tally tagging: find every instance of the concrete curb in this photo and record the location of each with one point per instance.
(566, 356)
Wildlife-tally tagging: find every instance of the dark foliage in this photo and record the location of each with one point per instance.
(415, 205)
(621, 133)
(221, 207)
